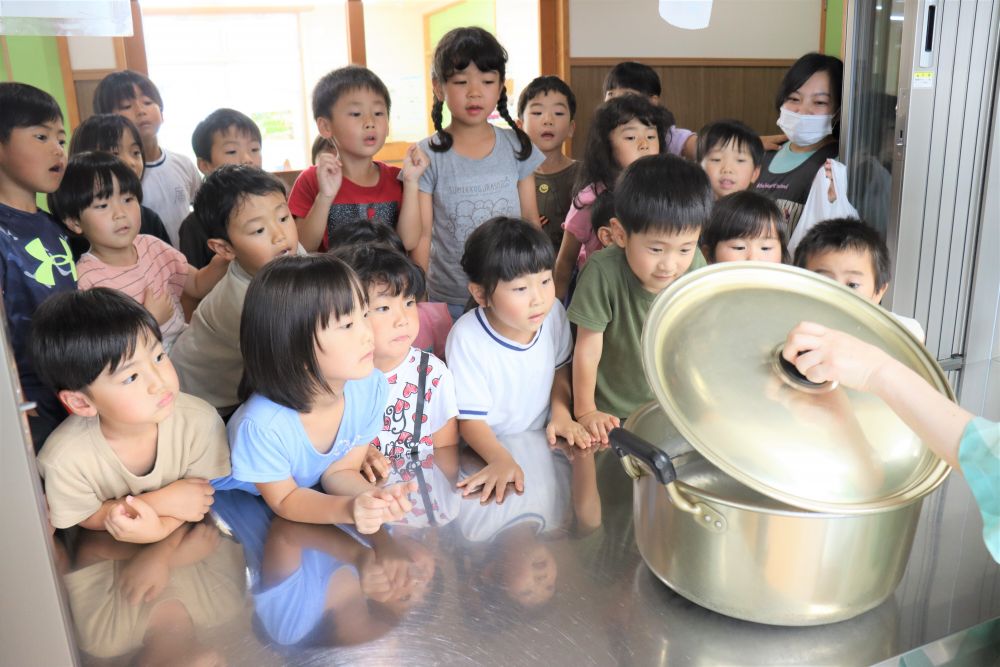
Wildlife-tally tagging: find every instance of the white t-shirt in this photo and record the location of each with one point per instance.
(168, 187)
(401, 407)
(505, 383)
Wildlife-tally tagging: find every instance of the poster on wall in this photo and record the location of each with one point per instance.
(66, 18)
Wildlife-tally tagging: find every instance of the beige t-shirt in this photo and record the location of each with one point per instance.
(207, 355)
(81, 470)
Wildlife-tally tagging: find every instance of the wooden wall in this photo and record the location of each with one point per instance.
(696, 91)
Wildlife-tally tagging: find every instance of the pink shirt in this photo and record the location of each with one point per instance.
(578, 224)
(435, 323)
(159, 266)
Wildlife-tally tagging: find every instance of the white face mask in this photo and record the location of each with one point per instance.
(804, 130)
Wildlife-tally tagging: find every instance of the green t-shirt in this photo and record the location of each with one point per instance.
(611, 299)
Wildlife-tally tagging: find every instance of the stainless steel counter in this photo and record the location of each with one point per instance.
(548, 577)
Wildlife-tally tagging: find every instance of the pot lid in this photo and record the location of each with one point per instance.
(711, 353)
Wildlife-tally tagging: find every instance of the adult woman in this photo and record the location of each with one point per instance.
(808, 104)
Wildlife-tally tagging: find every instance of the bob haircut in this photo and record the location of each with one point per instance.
(633, 76)
(502, 249)
(805, 67)
(224, 191)
(663, 193)
(743, 215)
(721, 133)
(103, 132)
(89, 176)
(840, 234)
(75, 336)
(366, 232)
(599, 166)
(219, 121)
(288, 302)
(377, 265)
(345, 79)
(543, 85)
(22, 105)
(119, 87)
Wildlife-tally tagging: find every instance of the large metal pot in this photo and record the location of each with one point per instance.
(798, 503)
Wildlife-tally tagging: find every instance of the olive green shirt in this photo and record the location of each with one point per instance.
(554, 194)
(610, 298)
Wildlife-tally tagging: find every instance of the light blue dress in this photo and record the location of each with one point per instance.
(979, 460)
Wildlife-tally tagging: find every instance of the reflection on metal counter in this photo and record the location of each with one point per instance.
(550, 576)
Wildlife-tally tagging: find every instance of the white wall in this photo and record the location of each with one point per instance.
(738, 29)
(91, 52)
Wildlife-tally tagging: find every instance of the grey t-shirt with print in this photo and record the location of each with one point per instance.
(466, 194)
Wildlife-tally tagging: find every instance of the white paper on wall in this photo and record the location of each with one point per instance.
(686, 14)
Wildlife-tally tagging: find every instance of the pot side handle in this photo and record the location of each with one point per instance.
(625, 443)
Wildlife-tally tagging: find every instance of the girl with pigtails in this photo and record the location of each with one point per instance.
(477, 171)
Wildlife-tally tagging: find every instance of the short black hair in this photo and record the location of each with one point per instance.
(721, 133)
(663, 193)
(840, 234)
(225, 190)
(543, 85)
(602, 210)
(287, 303)
(118, 87)
(743, 215)
(634, 76)
(91, 175)
(334, 84)
(380, 265)
(103, 132)
(502, 249)
(75, 335)
(364, 231)
(805, 67)
(221, 120)
(22, 105)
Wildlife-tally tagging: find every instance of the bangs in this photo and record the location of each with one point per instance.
(523, 255)
(105, 176)
(343, 295)
(470, 45)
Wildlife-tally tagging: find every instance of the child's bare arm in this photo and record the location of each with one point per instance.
(529, 205)
(447, 435)
(500, 470)
(295, 503)
(132, 520)
(199, 282)
(185, 500)
(561, 423)
(689, 151)
(421, 254)
(328, 180)
(586, 357)
(569, 249)
(410, 225)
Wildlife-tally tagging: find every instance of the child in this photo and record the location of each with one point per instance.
(170, 181)
(477, 171)
(99, 199)
(226, 136)
(435, 320)
(545, 112)
(661, 204)
(730, 153)
(510, 355)
(119, 136)
(313, 397)
(135, 456)
(247, 223)
(394, 284)
(351, 107)
(852, 253)
(632, 78)
(35, 256)
(601, 212)
(624, 129)
(322, 145)
(745, 225)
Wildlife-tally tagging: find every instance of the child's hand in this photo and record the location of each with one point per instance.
(329, 175)
(375, 465)
(132, 520)
(198, 544)
(188, 499)
(160, 305)
(574, 432)
(494, 478)
(599, 424)
(414, 164)
(374, 507)
(831, 192)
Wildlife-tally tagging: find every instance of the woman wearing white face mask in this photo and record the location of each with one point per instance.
(808, 103)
